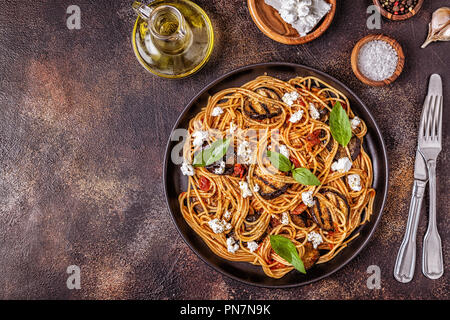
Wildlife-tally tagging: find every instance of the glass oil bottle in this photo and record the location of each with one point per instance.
(172, 39)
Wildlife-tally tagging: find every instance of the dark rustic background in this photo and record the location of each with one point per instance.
(83, 128)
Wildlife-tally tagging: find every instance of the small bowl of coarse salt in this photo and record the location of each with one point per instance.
(377, 60)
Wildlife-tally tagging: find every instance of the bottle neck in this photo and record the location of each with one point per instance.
(169, 30)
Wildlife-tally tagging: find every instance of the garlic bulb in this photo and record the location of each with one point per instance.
(439, 27)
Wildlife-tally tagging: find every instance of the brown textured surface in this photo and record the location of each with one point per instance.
(82, 133)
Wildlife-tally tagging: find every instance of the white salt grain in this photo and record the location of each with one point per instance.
(377, 60)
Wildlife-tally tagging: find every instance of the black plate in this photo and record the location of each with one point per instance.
(175, 182)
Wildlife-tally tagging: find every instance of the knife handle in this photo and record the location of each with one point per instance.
(406, 258)
(432, 262)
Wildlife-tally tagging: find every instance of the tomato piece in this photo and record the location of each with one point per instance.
(300, 209)
(295, 162)
(204, 184)
(313, 138)
(239, 171)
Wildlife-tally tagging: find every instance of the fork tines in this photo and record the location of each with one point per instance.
(431, 122)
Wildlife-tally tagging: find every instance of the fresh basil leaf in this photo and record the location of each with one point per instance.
(213, 153)
(305, 177)
(340, 126)
(279, 161)
(287, 250)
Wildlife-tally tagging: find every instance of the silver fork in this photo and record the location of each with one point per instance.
(430, 145)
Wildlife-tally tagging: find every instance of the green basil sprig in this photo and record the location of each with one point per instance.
(301, 175)
(340, 126)
(213, 153)
(287, 250)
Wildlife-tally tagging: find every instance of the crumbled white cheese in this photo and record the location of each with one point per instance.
(219, 226)
(227, 215)
(245, 190)
(315, 238)
(200, 137)
(303, 9)
(284, 151)
(245, 152)
(256, 188)
(290, 97)
(303, 15)
(217, 111)
(342, 165)
(216, 225)
(221, 168)
(285, 218)
(233, 127)
(307, 198)
(296, 117)
(232, 246)
(252, 246)
(287, 15)
(313, 112)
(354, 181)
(355, 122)
(187, 169)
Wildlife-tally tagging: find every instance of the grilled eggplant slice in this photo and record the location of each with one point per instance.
(342, 203)
(310, 256)
(302, 220)
(229, 168)
(269, 93)
(298, 220)
(354, 147)
(268, 188)
(260, 111)
(275, 194)
(321, 215)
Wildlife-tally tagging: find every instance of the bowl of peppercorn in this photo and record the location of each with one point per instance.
(398, 9)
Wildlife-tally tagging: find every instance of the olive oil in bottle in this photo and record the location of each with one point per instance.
(172, 39)
(167, 24)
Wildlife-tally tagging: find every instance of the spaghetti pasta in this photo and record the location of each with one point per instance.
(235, 203)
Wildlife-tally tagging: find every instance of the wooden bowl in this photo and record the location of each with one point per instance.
(397, 47)
(268, 20)
(398, 17)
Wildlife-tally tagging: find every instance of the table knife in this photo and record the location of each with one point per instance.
(406, 258)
